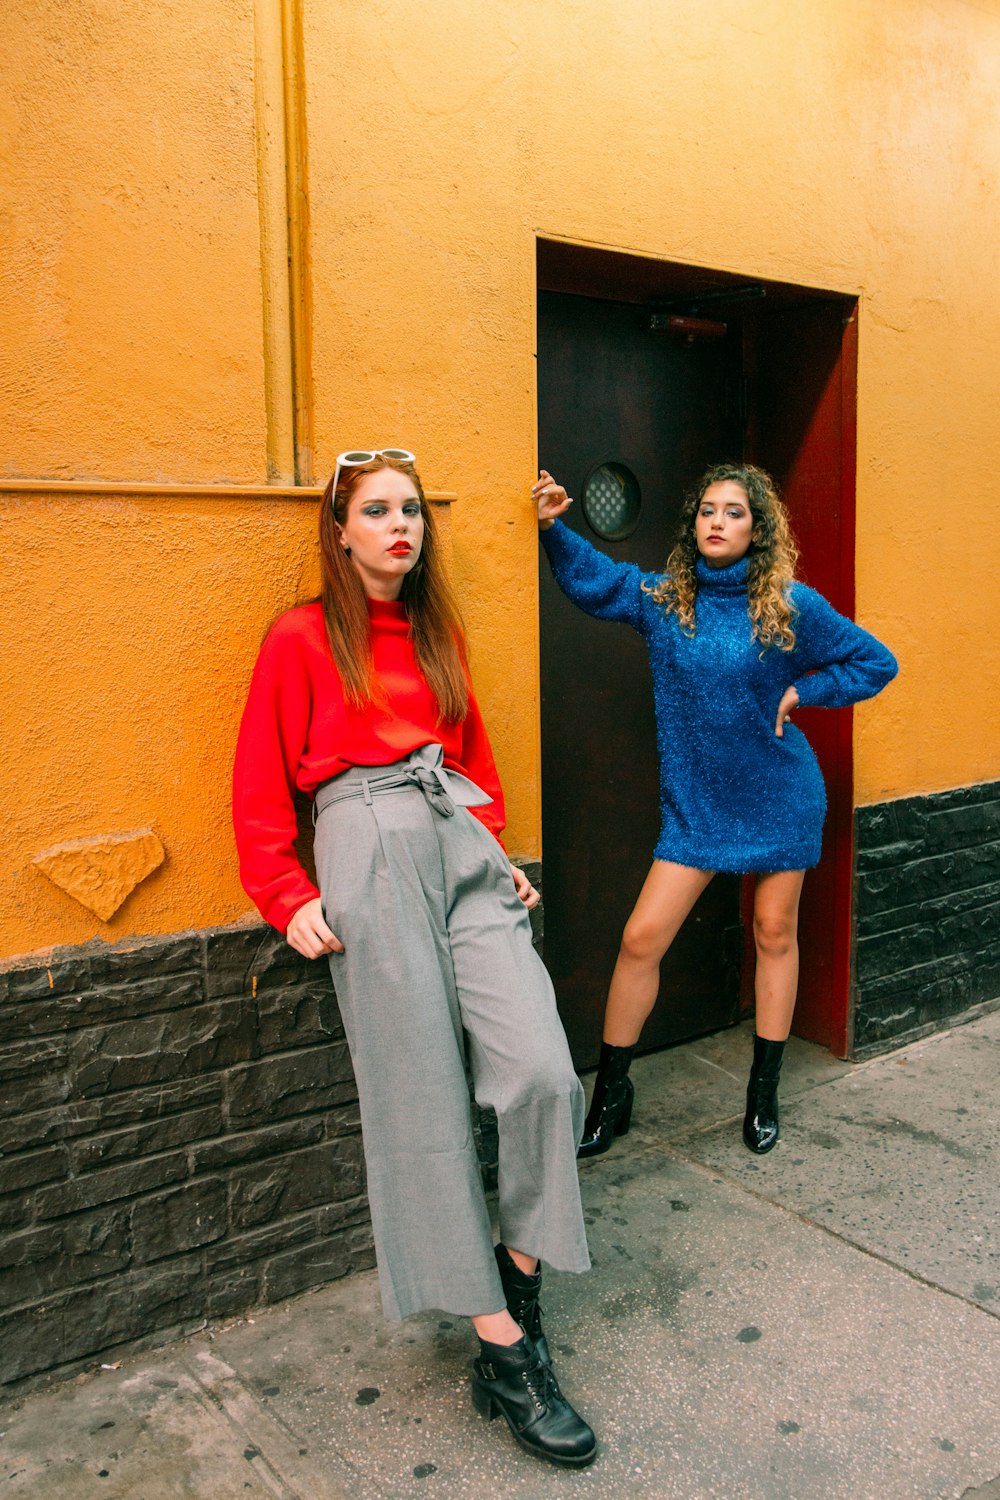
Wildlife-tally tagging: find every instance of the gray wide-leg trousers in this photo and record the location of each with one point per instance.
(437, 943)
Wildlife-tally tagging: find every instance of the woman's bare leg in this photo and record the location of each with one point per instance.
(497, 1328)
(775, 931)
(667, 896)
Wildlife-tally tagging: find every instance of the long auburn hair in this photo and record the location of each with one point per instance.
(771, 558)
(431, 608)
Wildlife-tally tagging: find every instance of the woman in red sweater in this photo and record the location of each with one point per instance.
(363, 701)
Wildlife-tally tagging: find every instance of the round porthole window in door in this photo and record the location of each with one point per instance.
(612, 501)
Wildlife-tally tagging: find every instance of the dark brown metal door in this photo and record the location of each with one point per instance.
(609, 390)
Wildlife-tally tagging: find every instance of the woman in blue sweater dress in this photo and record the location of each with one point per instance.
(735, 644)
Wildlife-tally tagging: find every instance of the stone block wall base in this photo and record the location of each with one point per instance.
(180, 1141)
(926, 914)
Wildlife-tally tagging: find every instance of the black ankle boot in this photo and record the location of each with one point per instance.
(610, 1111)
(513, 1382)
(521, 1291)
(760, 1125)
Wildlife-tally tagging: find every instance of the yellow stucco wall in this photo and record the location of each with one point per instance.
(838, 144)
(130, 293)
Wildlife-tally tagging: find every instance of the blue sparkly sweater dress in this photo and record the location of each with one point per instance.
(733, 795)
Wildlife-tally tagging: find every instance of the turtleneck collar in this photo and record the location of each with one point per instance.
(731, 580)
(386, 610)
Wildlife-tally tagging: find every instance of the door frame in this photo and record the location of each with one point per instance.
(623, 276)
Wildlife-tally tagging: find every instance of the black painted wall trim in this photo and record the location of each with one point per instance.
(926, 915)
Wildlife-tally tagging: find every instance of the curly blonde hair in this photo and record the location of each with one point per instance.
(771, 559)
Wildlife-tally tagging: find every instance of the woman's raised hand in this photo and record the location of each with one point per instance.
(789, 700)
(524, 888)
(308, 933)
(551, 497)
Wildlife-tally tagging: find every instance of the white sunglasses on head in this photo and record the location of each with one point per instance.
(356, 456)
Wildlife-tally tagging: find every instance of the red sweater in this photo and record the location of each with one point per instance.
(298, 731)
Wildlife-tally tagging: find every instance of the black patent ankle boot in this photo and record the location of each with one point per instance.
(610, 1112)
(521, 1291)
(514, 1383)
(760, 1124)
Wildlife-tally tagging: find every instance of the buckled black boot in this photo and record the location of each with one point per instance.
(610, 1112)
(760, 1124)
(521, 1291)
(515, 1383)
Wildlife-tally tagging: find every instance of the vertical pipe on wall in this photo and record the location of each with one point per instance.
(297, 199)
(281, 197)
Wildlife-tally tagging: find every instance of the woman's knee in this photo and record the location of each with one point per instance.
(538, 1078)
(774, 934)
(641, 942)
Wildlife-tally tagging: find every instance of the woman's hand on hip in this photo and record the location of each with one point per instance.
(789, 700)
(308, 933)
(551, 497)
(524, 888)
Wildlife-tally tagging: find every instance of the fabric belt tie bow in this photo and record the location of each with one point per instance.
(423, 770)
(434, 787)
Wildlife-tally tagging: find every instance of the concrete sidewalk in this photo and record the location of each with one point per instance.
(819, 1324)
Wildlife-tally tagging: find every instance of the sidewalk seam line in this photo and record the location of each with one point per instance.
(843, 1239)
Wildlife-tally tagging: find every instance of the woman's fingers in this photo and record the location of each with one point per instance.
(550, 496)
(331, 942)
(312, 945)
(308, 933)
(329, 939)
(548, 493)
(789, 700)
(524, 888)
